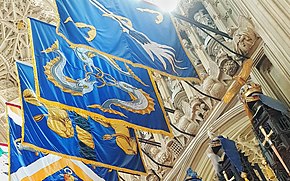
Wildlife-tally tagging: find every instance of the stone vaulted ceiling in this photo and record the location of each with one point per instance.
(14, 45)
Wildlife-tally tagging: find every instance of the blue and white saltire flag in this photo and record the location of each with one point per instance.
(29, 164)
(67, 134)
(77, 79)
(132, 31)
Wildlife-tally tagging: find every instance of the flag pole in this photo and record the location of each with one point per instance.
(200, 25)
(203, 28)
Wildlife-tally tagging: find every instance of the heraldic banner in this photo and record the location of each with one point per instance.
(68, 134)
(89, 83)
(132, 31)
(29, 164)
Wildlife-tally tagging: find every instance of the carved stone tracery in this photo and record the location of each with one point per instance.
(14, 43)
(248, 144)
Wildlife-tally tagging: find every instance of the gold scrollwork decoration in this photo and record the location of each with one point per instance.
(92, 33)
(59, 122)
(123, 139)
(159, 17)
(85, 137)
(57, 119)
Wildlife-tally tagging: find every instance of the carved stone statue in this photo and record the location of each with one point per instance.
(244, 36)
(215, 84)
(152, 177)
(203, 17)
(191, 51)
(163, 157)
(271, 124)
(189, 119)
(224, 59)
(177, 92)
(214, 87)
(174, 85)
(152, 151)
(226, 63)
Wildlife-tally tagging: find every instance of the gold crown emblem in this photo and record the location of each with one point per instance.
(248, 89)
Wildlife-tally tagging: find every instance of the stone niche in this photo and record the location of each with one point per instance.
(198, 13)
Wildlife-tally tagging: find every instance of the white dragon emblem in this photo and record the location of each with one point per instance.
(141, 102)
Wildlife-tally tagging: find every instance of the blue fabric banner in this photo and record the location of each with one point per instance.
(191, 175)
(29, 164)
(80, 80)
(128, 30)
(71, 135)
(232, 152)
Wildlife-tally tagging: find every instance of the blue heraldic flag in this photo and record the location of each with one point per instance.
(191, 175)
(80, 80)
(50, 129)
(232, 152)
(28, 164)
(128, 30)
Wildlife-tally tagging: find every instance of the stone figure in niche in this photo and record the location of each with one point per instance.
(189, 119)
(152, 177)
(162, 156)
(181, 124)
(187, 45)
(152, 150)
(271, 124)
(226, 63)
(203, 17)
(213, 86)
(244, 36)
(174, 86)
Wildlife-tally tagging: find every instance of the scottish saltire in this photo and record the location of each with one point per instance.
(67, 134)
(132, 31)
(80, 80)
(3, 161)
(29, 164)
